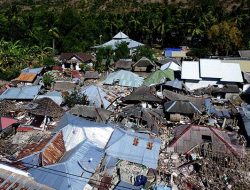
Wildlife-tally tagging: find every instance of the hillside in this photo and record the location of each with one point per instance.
(122, 5)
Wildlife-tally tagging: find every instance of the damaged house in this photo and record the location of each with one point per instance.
(186, 137)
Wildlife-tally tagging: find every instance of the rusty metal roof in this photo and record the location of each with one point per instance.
(12, 178)
(54, 151)
(26, 77)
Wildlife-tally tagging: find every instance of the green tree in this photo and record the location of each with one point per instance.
(48, 79)
(121, 51)
(75, 97)
(225, 37)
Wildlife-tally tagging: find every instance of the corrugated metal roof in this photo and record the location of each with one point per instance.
(34, 70)
(131, 43)
(54, 151)
(53, 95)
(231, 72)
(211, 68)
(96, 96)
(171, 65)
(120, 35)
(134, 147)
(158, 77)
(21, 93)
(15, 179)
(244, 64)
(76, 129)
(82, 161)
(190, 70)
(26, 77)
(124, 78)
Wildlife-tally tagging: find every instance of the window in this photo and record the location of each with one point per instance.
(206, 138)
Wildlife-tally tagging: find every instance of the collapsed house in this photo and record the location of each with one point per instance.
(189, 136)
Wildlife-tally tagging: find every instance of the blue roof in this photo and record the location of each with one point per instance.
(53, 95)
(21, 93)
(121, 146)
(124, 78)
(34, 70)
(82, 161)
(213, 111)
(96, 96)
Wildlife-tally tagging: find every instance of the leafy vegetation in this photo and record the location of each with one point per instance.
(75, 97)
(32, 31)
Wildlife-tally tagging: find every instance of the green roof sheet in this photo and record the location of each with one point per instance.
(158, 76)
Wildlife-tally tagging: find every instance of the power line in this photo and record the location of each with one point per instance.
(37, 167)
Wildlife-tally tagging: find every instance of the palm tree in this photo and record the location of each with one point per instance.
(54, 32)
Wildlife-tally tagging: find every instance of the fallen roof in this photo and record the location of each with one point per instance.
(194, 131)
(21, 93)
(26, 77)
(64, 86)
(7, 106)
(159, 76)
(91, 75)
(143, 62)
(45, 107)
(231, 72)
(134, 147)
(174, 84)
(124, 78)
(124, 64)
(99, 114)
(180, 106)
(145, 94)
(176, 96)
